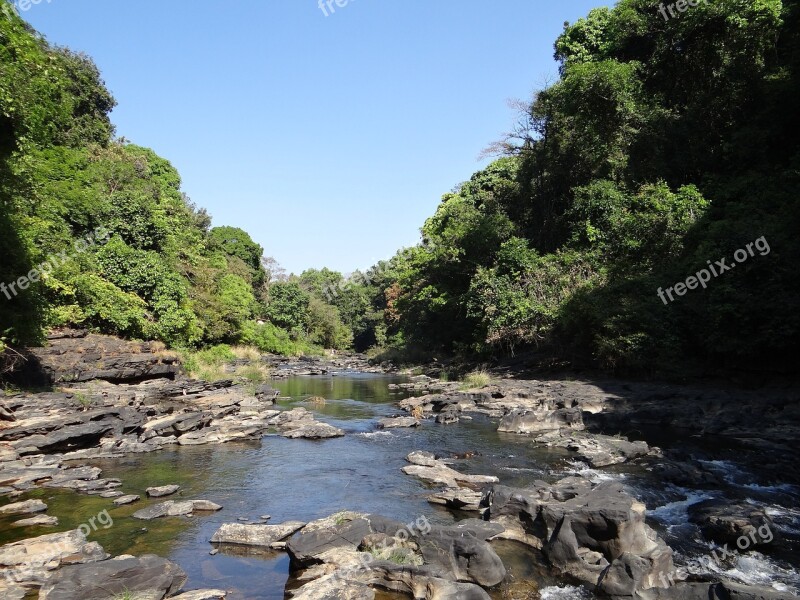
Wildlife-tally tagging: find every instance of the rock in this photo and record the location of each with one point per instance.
(458, 499)
(398, 422)
(595, 534)
(205, 506)
(436, 471)
(314, 431)
(349, 551)
(265, 393)
(725, 523)
(146, 576)
(542, 419)
(130, 499)
(27, 507)
(460, 553)
(77, 359)
(38, 521)
(255, 535)
(332, 587)
(708, 591)
(161, 491)
(448, 415)
(29, 561)
(201, 595)
(170, 508)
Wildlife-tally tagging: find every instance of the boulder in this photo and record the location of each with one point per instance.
(148, 576)
(595, 534)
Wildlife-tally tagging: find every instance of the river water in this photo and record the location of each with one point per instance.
(305, 480)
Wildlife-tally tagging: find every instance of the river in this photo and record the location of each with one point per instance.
(305, 480)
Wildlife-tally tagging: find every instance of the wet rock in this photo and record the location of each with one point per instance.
(724, 522)
(170, 508)
(595, 534)
(37, 521)
(448, 415)
(398, 422)
(146, 576)
(27, 507)
(314, 431)
(161, 491)
(201, 595)
(255, 535)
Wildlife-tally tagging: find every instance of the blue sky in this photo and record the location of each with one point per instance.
(329, 139)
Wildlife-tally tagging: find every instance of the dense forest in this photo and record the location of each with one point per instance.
(664, 146)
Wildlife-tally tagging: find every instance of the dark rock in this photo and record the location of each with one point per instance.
(724, 522)
(148, 575)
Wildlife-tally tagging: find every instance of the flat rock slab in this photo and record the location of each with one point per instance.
(201, 595)
(170, 508)
(148, 576)
(255, 535)
(130, 499)
(28, 507)
(28, 561)
(161, 491)
(37, 521)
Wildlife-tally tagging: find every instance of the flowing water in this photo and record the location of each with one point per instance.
(305, 480)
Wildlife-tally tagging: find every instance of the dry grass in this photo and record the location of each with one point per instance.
(246, 353)
(476, 379)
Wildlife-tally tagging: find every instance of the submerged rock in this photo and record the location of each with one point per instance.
(727, 523)
(171, 508)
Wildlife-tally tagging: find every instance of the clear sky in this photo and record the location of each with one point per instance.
(330, 139)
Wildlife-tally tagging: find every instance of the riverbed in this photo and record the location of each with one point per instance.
(304, 480)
